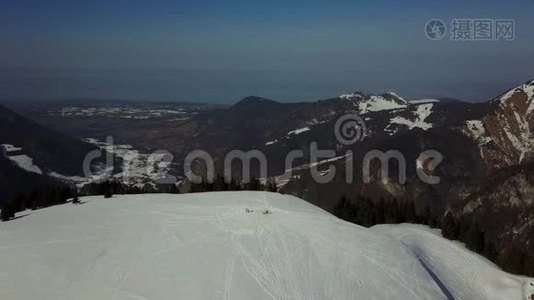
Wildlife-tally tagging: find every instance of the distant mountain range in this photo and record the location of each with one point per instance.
(488, 148)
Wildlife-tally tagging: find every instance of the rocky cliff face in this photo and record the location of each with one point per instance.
(506, 134)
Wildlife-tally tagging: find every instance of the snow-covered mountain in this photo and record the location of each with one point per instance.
(506, 133)
(477, 141)
(234, 245)
(371, 103)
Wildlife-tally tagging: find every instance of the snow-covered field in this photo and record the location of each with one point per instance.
(421, 114)
(120, 111)
(22, 160)
(225, 246)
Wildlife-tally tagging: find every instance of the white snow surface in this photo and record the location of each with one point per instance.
(396, 96)
(477, 130)
(299, 131)
(379, 103)
(421, 101)
(284, 179)
(207, 246)
(23, 161)
(271, 143)
(374, 103)
(351, 96)
(421, 114)
(463, 274)
(10, 148)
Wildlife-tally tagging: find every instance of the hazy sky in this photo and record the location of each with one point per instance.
(221, 51)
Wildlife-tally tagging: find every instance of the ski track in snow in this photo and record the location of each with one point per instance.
(206, 246)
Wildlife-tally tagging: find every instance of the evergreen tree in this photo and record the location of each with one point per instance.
(253, 185)
(345, 210)
(379, 214)
(271, 185)
(391, 212)
(490, 251)
(528, 268)
(430, 216)
(474, 238)
(409, 212)
(513, 260)
(234, 185)
(219, 184)
(76, 199)
(7, 212)
(366, 212)
(449, 227)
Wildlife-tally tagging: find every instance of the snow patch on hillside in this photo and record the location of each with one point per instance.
(523, 141)
(10, 148)
(374, 103)
(378, 103)
(396, 96)
(298, 131)
(271, 143)
(294, 133)
(23, 161)
(477, 131)
(422, 101)
(351, 96)
(289, 174)
(421, 114)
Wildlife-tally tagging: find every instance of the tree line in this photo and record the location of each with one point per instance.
(45, 197)
(38, 198)
(219, 184)
(115, 186)
(366, 212)
(512, 259)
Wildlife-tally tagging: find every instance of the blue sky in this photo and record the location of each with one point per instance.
(221, 51)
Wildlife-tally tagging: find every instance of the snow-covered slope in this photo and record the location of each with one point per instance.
(422, 112)
(225, 246)
(374, 103)
(23, 161)
(460, 273)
